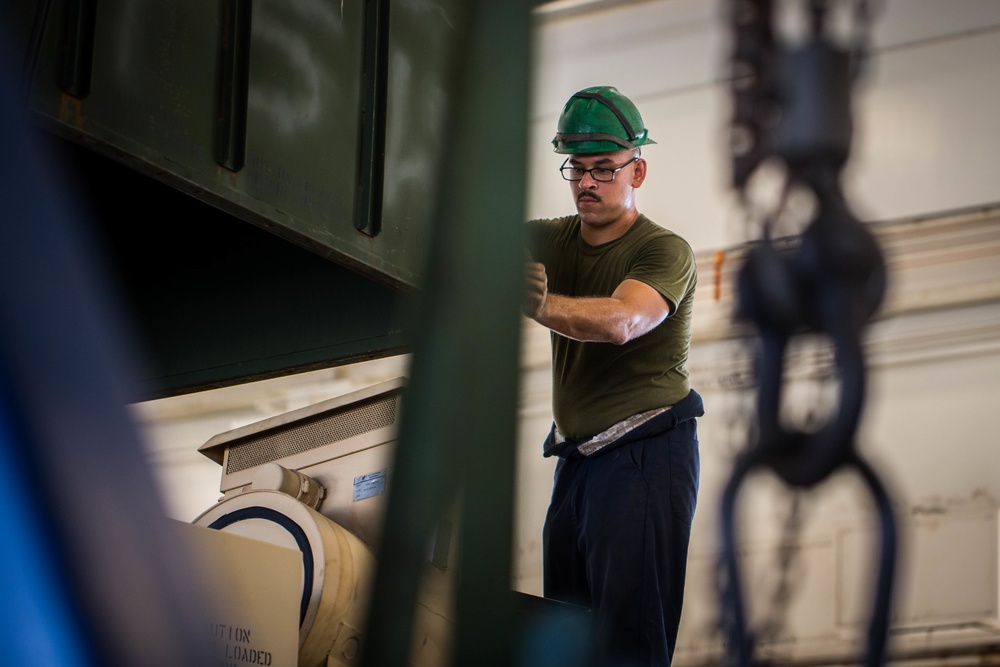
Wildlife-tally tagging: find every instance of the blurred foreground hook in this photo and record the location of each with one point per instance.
(793, 104)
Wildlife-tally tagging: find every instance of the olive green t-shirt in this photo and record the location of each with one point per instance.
(596, 385)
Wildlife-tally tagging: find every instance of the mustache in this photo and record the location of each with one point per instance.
(588, 195)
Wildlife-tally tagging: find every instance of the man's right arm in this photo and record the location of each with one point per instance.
(633, 310)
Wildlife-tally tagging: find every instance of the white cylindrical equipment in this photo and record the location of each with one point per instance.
(274, 477)
(337, 568)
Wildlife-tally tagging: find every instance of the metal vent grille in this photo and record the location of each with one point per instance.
(320, 430)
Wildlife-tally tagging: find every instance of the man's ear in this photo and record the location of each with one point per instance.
(638, 173)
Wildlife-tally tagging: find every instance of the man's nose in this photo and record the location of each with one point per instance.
(588, 181)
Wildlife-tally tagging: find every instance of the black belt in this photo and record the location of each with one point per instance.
(689, 407)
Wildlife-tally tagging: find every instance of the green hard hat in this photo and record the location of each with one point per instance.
(599, 120)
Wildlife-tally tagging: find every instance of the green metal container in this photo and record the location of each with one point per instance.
(323, 123)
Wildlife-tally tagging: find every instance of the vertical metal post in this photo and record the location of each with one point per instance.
(459, 416)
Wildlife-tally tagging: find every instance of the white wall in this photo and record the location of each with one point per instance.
(926, 137)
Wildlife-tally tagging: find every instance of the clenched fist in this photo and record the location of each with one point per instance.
(535, 289)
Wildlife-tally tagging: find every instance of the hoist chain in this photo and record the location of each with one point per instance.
(792, 103)
(769, 629)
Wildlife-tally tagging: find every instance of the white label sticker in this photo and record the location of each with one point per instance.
(366, 486)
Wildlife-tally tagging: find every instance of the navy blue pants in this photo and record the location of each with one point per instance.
(617, 531)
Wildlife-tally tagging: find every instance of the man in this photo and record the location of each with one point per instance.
(616, 291)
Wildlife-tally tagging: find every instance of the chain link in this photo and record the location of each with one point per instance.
(792, 105)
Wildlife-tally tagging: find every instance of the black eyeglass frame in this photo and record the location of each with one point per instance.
(564, 168)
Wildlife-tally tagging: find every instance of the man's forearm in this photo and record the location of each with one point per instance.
(591, 319)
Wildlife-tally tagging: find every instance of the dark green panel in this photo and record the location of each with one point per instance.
(153, 84)
(265, 120)
(420, 115)
(257, 110)
(303, 120)
(216, 301)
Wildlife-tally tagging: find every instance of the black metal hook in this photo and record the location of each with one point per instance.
(831, 284)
